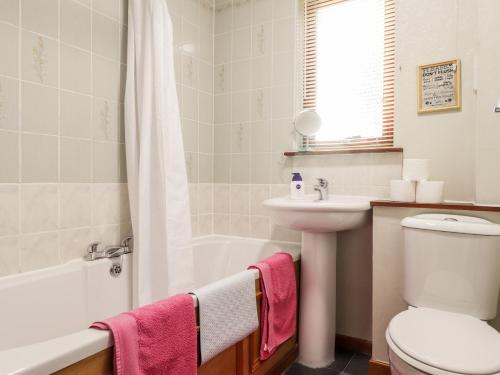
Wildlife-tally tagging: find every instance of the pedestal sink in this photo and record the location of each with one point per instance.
(319, 222)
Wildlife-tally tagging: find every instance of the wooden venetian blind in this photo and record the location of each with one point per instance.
(376, 81)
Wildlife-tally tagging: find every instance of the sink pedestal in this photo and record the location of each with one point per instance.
(317, 299)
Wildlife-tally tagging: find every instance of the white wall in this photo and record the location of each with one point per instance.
(488, 122)
(463, 145)
(426, 36)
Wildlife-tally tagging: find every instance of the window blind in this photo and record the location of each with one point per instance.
(349, 66)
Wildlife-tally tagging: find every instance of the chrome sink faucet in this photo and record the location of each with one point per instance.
(322, 189)
(93, 252)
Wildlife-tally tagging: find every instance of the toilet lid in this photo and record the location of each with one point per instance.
(448, 341)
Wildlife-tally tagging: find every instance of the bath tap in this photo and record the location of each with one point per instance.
(93, 252)
(322, 189)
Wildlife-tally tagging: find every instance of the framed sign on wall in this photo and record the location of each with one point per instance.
(439, 87)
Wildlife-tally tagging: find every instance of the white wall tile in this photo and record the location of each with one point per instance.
(260, 168)
(240, 168)
(39, 251)
(240, 225)
(283, 35)
(75, 24)
(222, 224)
(222, 109)
(240, 107)
(74, 205)
(9, 215)
(241, 11)
(262, 10)
(9, 256)
(262, 39)
(9, 11)
(258, 194)
(260, 227)
(107, 120)
(108, 161)
(9, 41)
(190, 135)
(105, 37)
(222, 51)
(240, 77)
(240, 199)
(75, 160)
(222, 169)
(75, 69)
(206, 168)
(205, 198)
(39, 208)
(39, 109)
(74, 243)
(222, 198)
(40, 59)
(39, 158)
(205, 225)
(9, 104)
(9, 157)
(107, 79)
(109, 204)
(241, 44)
(223, 17)
(40, 16)
(240, 138)
(109, 8)
(75, 115)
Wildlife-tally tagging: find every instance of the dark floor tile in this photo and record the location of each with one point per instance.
(342, 358)
(358, 365)
(298, 369)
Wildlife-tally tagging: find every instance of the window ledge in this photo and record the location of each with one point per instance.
(345, 151)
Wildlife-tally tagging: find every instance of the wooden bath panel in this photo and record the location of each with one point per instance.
(239, 359)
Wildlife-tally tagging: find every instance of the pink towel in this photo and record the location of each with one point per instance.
(155, 339)
(279, 302)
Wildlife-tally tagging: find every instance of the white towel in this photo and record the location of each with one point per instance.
(228, 313)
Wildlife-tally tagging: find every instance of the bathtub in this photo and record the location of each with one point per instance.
(44, 314)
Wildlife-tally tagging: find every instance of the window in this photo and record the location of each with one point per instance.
(349, 71)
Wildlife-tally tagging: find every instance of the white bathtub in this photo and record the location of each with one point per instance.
(44, 314)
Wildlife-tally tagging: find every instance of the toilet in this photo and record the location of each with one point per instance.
(451, 284)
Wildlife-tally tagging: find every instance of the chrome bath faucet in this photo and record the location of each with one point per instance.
(93, 252)
(322, 189)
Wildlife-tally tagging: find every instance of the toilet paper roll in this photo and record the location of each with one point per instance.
(403, 191)
(415, 169)
(430, 192)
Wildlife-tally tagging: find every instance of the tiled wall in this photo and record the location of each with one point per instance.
(254, 105)
(193, 22)
(62, 183)
(62, 158)
(256, 97)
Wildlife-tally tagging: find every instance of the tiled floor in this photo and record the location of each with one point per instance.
(346, 363)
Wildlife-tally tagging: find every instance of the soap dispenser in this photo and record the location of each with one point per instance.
(297, 190)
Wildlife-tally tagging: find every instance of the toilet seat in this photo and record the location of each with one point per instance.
(440, 342)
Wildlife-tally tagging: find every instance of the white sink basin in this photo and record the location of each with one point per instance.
(319, 222)
(337, 213)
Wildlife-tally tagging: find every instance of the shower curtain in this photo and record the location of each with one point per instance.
(157, 179)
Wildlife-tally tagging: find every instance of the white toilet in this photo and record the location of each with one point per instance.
(451, 282)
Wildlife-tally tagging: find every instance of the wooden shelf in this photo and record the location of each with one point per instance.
(345, 151)
(442, 206)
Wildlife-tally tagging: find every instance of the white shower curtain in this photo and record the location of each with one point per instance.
(157, 180)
